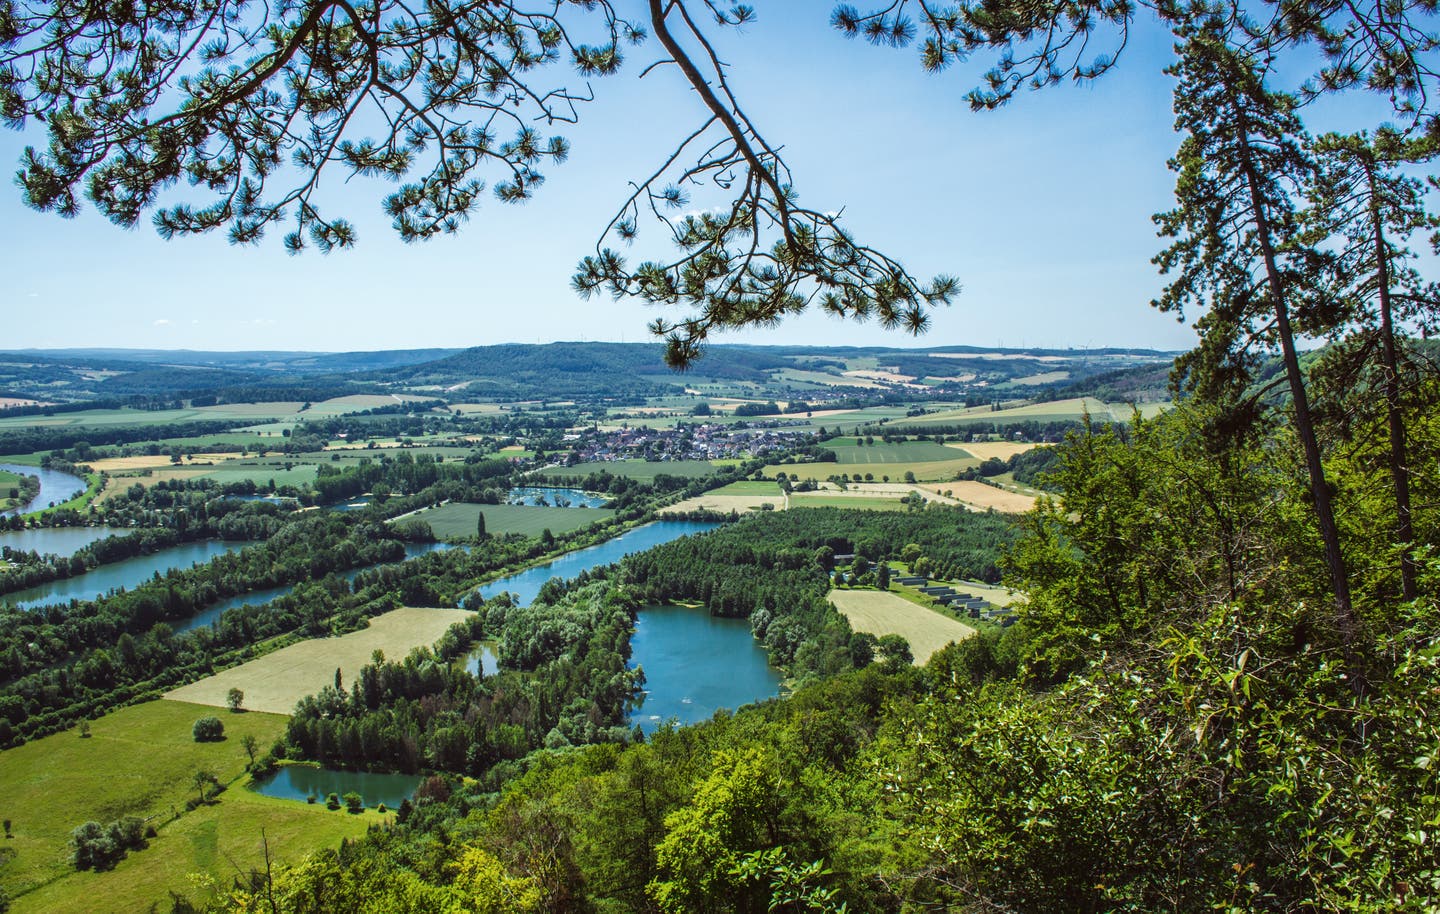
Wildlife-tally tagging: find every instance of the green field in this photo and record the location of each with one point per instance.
(212, 843)
(457, 520)
(357, 454)
(643, 470)
(140, 761)
(262, 474)
(924, 470)
(850, 502)
(748, 487)
(1056, 411)
(848, 451)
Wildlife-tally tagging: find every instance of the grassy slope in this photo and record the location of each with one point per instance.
(138, 761)
(217, 841)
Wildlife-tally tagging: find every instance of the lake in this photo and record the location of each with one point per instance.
(526, 584)
(125, 573)
(696, 664)
(297, 782)
(555, 496)
(55, 487)
(56, 540)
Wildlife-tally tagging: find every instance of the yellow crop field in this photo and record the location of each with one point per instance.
(881, 613)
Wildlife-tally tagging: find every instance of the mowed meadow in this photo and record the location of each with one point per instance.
(276, 681)
(459, 520)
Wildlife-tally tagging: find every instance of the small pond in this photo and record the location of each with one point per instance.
(272, 499)
(481, 661)
(350, 504)
(696, 664)
(297, 782)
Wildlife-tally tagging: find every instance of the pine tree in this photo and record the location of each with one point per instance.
(1369, 207)
(1238, 252)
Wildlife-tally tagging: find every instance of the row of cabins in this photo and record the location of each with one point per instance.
(977, 607)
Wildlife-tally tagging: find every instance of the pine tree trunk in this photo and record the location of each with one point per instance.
(1399, 466)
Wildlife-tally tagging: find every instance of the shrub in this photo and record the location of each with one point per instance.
(208, 730)
(332, 802)
(354, 802)
(100, 847)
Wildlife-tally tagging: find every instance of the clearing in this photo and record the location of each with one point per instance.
(278, 680)
(881, 613)
(140, 761)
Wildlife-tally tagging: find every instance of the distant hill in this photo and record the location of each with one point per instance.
(611, 372)
(260, 360)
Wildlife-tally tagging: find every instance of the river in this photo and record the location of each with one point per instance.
(55, 487)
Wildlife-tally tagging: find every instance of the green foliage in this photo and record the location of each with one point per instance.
(208, 730)
(733, 812)
(99, 847)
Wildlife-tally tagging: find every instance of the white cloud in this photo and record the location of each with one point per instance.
(164, 322)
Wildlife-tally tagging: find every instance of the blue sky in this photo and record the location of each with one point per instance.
(1042, 210)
